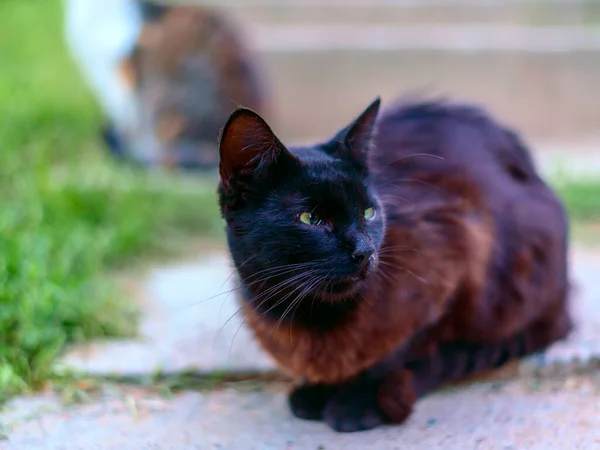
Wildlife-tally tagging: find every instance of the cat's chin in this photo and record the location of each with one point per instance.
(345, 288)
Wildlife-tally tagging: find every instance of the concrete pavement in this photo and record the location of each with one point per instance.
(518, 414)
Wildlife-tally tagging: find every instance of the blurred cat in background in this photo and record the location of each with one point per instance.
(166, 76)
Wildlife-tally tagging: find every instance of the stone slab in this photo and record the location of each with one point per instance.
(190, 321)
(510, 416)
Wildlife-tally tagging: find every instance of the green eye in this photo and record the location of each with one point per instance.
(369, 214)
(310, 219)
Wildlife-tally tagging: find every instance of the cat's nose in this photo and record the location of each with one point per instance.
(362, 256)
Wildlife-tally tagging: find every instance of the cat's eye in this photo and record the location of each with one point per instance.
(369, 213)
(310, 219)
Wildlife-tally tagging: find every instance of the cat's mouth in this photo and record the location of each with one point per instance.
(344, 286)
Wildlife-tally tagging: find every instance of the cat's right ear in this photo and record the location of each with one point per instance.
(247, 145)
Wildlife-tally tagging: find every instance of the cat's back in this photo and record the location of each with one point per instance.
(446, 137)
(432, 156)
(512, 226)
(421, 145)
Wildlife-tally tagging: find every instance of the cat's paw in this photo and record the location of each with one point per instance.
(351, 410)
(367, 403)
(397, 396)
(308, 401)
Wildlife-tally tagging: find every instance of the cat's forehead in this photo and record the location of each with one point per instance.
(310, 155)
(330, 183)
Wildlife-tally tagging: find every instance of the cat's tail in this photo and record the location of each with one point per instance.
(456, 361)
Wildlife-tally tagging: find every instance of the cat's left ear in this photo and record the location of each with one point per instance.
(248, 145)
(357, 138)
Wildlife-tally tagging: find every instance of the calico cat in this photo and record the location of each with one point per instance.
(168, 77)
(414, 247)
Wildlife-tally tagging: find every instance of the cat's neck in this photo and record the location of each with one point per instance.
(310, 311)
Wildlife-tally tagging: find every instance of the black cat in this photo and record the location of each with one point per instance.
(403, 252)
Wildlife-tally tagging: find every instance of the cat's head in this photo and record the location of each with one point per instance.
(301, 220)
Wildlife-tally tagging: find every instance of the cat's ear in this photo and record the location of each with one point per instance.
(247, 145)
(357, 138)
(362, 131)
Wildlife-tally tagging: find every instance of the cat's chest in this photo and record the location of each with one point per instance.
(367, 337)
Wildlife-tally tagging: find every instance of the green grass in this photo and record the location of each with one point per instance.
(582, 197)
(68, 214)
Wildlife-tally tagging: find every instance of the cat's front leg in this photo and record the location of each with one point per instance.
(308, 401)
(369, 401)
